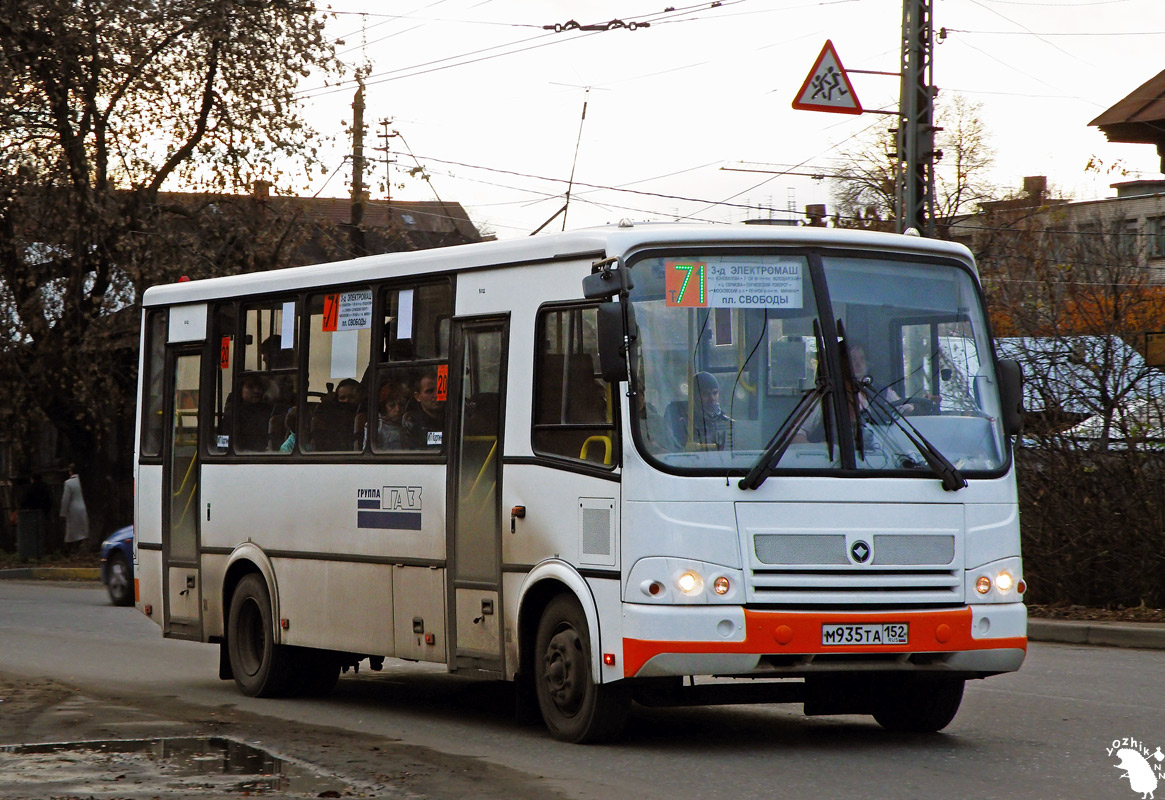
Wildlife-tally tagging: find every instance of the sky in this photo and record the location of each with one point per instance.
(490, 103)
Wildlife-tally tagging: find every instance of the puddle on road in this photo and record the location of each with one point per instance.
(162, 765)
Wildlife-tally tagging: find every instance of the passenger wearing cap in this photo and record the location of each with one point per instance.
(711, 427)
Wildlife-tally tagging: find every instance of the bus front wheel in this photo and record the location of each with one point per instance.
(574, 707)
(260, 666)
(919, 705)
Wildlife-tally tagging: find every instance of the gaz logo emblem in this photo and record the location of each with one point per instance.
(860, 552)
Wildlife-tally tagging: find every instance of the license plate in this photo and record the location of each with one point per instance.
(882, 633)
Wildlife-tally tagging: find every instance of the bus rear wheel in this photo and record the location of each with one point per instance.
(574, 707)
(261, 667)
(918, 705)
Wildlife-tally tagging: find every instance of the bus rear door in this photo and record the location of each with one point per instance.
(180, 511)
(477, 386)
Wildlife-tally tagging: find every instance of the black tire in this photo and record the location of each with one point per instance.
(261, 667)
(573, 706)
(918, 705)
(119, 580)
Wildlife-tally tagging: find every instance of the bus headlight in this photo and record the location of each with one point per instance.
(690, 583)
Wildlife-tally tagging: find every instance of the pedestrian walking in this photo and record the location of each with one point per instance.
(73, 512)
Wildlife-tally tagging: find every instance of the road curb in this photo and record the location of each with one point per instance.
(1145, 635)
(52, 574)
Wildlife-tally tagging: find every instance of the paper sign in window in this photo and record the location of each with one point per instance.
(287, 329)
(344, 349)
(404, 314)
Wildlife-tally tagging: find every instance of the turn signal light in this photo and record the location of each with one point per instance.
(983, 585)
(721, 585)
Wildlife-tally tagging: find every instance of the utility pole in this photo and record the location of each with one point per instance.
(915, 189)
(388, 160)
(355, 231)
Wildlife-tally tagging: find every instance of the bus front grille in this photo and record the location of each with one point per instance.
(807, 586)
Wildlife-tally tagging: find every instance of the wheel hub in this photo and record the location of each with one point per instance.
(564, 665)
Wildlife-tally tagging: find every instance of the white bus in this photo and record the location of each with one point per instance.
(635, 463)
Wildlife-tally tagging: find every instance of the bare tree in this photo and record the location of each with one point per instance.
(103, 105)
(864, 191)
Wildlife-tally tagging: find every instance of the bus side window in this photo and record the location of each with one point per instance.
(254, 414)
(573, 406)
(338, 351)
(414, 358)
(226, 340)
(153, 423)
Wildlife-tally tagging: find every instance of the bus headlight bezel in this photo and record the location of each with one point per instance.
(996, 582)
(682, 581)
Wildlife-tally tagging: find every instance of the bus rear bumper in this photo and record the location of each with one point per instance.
(976, 640)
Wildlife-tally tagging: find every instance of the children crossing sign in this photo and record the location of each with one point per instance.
(828, 88)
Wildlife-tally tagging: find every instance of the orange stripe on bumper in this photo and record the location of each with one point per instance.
(799, 633)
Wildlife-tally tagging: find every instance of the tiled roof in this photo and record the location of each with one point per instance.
(1139, 117)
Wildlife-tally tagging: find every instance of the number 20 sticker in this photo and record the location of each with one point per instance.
(442, 382)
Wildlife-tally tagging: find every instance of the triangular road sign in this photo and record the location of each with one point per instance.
(828, 88)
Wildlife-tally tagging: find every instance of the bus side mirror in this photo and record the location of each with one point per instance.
(607, 279)
(1011, 394)
(613, 338)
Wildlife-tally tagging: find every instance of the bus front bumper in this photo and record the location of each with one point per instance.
(974, 641)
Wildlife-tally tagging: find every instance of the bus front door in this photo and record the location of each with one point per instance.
(477, 386)
(180, 529)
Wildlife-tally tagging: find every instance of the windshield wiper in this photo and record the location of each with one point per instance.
(850, 381)
(788, 429)
(952, 479)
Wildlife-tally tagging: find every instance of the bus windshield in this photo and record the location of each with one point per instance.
(733, 354)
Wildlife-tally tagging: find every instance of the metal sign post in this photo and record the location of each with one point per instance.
(915, 190)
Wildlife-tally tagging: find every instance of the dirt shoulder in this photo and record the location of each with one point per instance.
(346, 763)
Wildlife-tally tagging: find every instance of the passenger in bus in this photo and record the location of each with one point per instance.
(251, 416)
(333, 425)
(711, 428)
(861, 370)
(290, 420)
(393, 399)
(424, 422)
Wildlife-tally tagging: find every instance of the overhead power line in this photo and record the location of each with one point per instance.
(466, 59)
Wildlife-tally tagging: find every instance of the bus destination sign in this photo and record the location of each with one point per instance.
(698, 284)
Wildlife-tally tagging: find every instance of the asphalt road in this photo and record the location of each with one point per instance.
(1044, 732)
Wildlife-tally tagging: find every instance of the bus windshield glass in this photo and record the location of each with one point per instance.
(732, 356)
